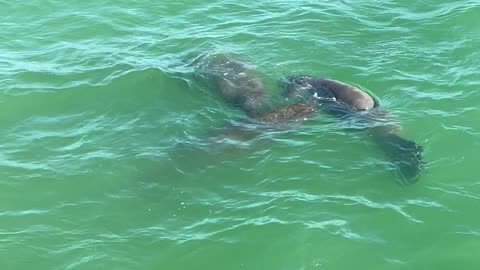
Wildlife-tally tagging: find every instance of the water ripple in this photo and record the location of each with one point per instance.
(97, 98)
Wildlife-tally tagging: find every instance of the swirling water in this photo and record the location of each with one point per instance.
(112, 157)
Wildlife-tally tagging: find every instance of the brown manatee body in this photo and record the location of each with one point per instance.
(290, 112)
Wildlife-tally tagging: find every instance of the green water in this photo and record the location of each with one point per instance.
(109, 157)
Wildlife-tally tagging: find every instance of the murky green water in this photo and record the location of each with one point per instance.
(107, 159)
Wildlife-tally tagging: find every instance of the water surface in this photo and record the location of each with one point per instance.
(107, 160)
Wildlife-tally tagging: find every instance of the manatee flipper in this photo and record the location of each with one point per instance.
(405, 155)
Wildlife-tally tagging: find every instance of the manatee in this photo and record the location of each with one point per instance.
(240, 84)
(344, 100)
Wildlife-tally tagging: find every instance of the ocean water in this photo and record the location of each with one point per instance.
(113, 157)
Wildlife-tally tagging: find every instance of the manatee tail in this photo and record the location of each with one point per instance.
(406, 156)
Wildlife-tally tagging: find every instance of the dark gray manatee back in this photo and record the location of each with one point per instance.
(344, 100)
(329, 89)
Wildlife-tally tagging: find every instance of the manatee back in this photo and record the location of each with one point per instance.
(346, 93)
(304, 86)
(324, 88)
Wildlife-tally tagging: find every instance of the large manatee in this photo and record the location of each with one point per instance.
(240, 85)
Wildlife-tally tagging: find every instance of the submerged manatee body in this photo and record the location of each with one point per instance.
(236, 82)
